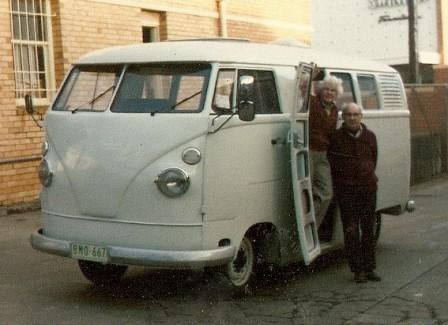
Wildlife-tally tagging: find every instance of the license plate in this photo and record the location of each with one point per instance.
(90, 252)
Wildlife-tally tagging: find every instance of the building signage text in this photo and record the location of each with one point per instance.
(375, 4)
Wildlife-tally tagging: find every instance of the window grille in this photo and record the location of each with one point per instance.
(29, 26)
(391, 90)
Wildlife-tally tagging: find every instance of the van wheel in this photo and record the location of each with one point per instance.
(102, 274)
(377, 226)
(241, 271)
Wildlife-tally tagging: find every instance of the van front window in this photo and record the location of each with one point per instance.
(165, 88)
(88, 88)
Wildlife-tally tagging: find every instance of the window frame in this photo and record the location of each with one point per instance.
(44, 17)
(377, 92)
(336, 74)
(274, 80)
(173, 91)
(232, 95)
(150, 21)
(70, 81)
(235, 88)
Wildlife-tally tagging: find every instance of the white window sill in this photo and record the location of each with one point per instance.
(37, 102)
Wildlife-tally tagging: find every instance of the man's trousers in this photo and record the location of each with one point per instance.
(358, 220)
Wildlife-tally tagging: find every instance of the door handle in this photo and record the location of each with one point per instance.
(294, 138)
(276, 141)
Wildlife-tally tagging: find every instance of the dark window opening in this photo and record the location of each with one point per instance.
(149, 34)
(265, 95)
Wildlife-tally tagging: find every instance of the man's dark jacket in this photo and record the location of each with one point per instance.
(353, 160)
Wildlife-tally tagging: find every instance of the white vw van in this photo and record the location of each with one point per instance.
(191, 154)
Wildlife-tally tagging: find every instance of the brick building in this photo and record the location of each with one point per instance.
(39, 39)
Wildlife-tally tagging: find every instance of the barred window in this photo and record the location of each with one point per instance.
(29, 25)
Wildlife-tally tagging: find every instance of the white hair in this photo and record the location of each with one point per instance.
(346, 105)
(331, 81)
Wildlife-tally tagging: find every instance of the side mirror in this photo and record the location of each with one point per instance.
(246, 107)
(246, 111)
(29, 104)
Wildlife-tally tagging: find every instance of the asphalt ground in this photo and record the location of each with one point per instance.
(37, 288)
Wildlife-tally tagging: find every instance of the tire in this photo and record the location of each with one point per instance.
(102, 274)
(241, 270)
(377, 228)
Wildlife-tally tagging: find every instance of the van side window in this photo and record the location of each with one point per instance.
(347, 84)
(369, 91)
(265, 96)
(223, 97)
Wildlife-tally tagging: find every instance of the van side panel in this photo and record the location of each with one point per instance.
(246, 176)
(392, 131)
(391, 125)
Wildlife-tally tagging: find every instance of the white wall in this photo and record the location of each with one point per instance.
(354, 27)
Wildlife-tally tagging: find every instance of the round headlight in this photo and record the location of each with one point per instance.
(45, 173)
(173, 182)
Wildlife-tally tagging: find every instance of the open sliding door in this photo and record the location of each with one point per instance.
(300, 164)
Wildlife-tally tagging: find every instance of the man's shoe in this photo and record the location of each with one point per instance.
(360, 277)
(372, 276)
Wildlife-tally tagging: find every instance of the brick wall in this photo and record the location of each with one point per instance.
(428, 105)
(81, 26)
(441, 74)
(263, 34)
(297, 11)
(94, 26)
(198, 27)
(19, 136)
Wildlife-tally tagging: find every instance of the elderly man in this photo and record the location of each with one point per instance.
(352, 154)
(323, 119)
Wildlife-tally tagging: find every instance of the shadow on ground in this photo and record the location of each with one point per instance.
(159, 284)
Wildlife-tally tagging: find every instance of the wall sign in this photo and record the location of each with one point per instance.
(376, 29)
(375, 4)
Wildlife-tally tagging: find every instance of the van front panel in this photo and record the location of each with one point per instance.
(104, 170)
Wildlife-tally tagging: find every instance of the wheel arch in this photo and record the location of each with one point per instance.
(267, 242)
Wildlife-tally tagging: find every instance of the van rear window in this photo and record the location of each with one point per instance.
(369, 91)
(164, 88)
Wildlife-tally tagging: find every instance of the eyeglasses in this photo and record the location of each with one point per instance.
(351, 114)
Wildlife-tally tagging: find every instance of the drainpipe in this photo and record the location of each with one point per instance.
(222, 18)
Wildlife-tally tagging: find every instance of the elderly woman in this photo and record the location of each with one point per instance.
(323, 119)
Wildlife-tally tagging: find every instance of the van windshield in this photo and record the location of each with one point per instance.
(88, 88)
(166, 88)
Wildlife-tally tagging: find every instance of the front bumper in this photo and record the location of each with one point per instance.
(138, 256)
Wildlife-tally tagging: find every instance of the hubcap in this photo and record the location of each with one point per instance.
(241, 268)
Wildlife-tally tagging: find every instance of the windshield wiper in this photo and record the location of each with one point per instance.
(93, 100)
(184, 100)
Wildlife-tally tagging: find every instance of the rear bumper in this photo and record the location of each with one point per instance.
(138, 256)
(410, 206)
(396, 210)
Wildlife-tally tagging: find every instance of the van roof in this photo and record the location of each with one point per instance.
(229, 51)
